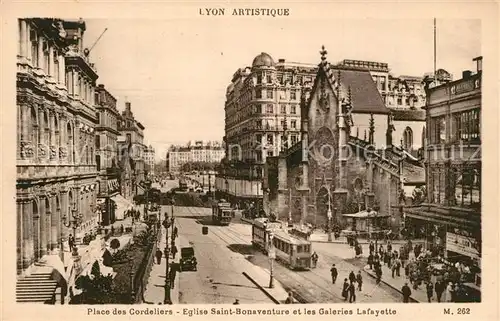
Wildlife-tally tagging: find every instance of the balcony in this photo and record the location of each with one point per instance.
(44, 171)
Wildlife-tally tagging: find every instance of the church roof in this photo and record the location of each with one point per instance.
(408, 114)
(365, 95)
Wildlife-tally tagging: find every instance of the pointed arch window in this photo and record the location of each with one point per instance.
(408, 139)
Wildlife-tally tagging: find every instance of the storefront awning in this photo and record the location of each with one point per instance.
(421, 213)
(122, 205)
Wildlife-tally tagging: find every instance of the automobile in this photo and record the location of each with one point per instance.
(188, 259)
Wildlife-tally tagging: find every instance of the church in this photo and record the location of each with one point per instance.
(334, 171)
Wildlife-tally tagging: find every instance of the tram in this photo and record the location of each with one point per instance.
(293, 252)
(222, 213)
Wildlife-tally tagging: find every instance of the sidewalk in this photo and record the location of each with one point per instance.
(155, 288)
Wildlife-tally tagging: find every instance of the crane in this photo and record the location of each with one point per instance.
(87, 50)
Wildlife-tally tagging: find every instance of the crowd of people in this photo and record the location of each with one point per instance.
(423, 269)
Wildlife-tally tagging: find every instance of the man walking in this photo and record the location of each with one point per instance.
(352, 277)
(430, 291)
(71, 242)
(314, 258)
(372, 247)
(359, 279)
(174, 251)
(370, 260)
(334, 273)
(406, 292)
(158, 255)
(352, 293)
(439, 288)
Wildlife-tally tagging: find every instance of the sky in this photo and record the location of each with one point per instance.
(175, 72)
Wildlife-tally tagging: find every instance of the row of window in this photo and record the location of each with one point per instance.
(282, 78)
(269, 109)
(462, 184)
(464, 126)
(269, 94)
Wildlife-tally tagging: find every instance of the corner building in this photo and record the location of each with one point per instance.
(262, 102)
(56, 117)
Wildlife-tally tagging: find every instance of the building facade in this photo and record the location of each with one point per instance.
(199, 151)
(261, 102)
(56, 170)
(107, 154)
(149, 159)
(131, 150)
(450, 217)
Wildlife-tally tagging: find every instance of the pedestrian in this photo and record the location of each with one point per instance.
(389, 258)
(448, 292)
(406, 292)
(334, 273)
(398, 266)
(289, 299)
(158, 256)
(378, 272)
(71, 242)
(174, 251)
(359, 279)
(314, 258)
(389, 247)
(175, 232)
(381, 251)
(345, 289)
(352, 277)
(172, 273)
(393, 269)
(407, 270)
(430, 291)
(372, 247)
(370, 260)
(352, 293)
(439, 288)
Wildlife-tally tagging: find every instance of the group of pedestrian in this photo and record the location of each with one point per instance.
(349, 286)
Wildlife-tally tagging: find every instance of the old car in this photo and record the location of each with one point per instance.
(188, 259)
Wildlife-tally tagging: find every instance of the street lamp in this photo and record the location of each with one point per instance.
(74, 223)
(376, 208)
(272, 256)
(167, 224)
(329, 218)
(290, 220)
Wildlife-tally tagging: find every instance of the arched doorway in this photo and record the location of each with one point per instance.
(322, 198)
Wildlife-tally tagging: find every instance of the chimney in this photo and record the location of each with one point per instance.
(479, 63)
(281, 60)
(466, 74)
(127, 105)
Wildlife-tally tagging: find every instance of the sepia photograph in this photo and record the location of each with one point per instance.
(167, 162)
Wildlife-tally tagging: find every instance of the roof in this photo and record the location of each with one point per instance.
(285, 236)
(263, 60)
(408, 114)
(413, 174)
(365, 96)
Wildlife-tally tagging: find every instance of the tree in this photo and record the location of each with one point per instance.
(96, 288)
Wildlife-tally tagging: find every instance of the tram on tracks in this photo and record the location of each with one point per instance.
(293, 252)
(222, 213)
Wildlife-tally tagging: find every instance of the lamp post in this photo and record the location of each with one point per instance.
(167, 224)
(376, 208)
(272, 256)
(74, 223)
(329, 218)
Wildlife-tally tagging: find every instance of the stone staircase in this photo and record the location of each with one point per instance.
(36, 288)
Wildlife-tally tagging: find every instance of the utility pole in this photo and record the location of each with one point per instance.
(272, 256)
(290, 221)
(166, 224)
(329, 218)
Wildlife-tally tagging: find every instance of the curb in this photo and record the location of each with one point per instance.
(412, 299)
